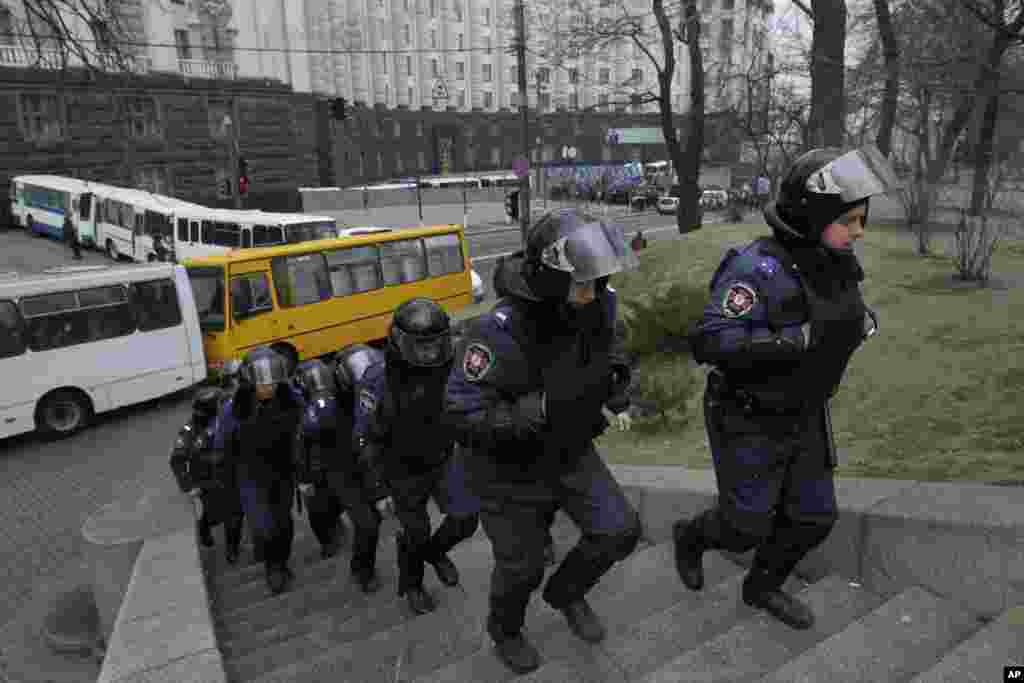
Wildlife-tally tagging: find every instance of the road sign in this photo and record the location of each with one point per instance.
(568, 152)
(223, 185)
(440, 90)
(521, 167)
(636, 136)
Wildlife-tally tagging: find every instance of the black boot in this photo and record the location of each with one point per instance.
(203, 529)
(410, 582)
(233, 538)
(419, 600)
(515, 651)
(761, 590)
(368, 580)
(583, 622)
(277, 580)
(689, 549)
(446, 570)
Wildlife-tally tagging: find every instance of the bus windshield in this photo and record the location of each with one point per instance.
(306, 232)
(208, 290)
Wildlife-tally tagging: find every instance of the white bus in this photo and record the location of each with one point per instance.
(39, 204)
(202, 232)
(78, 341)
(127, 220)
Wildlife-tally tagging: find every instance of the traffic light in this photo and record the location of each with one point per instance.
(339, 109)
(512, 204)
(243, 176)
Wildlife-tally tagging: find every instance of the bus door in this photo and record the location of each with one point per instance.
(138, 232)
(87, 219)
(252, 305)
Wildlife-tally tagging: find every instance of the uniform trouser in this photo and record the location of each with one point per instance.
(221, 505)
(446, 484)
(348, 488)
(518, 525)
(775, 486)
(268, 507)
(323, 509)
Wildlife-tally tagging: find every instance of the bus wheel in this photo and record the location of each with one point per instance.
(30, 223)
(62, 413)
(112, 251)
(152, 258)
(290, 356)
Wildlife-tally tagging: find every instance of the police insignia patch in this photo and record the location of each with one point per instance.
(367, 400)
(477, 361)
(739, 300)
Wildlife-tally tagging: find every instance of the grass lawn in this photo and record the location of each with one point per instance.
(938, 394)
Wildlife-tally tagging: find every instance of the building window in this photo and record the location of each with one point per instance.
(496, 156)
(101, 32)
(6, 25)
(513, 100)
(399, 165)
(387, 93)
(574, 100)
(408, 65)
(419, 129)
(460, 71)
(638, 75)
(487, 16)
(142, 117)
(182, 44)
(489, 43)
(380, 163)
(728, 4)
(409, 91)
(435, 68)
(544, 75)
(433, 8)
(513, 74)
(574, 75)
(41, 118)
(488, 100)
(707, 6)
(462, 99)
(470, 156)
(433, 38)
(406, 35)
(152, 179)
(217, 110)
(602, 102)
(457, 8)
(487, 73)
(405, 4)
(384, 63)
(605, 75)
(421, 160)
(461, 41)
(545, 101)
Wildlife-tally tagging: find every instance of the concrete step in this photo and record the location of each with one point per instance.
(643, 585)
(982, 657)
(759, 644)
(423, 644)
(901, 638)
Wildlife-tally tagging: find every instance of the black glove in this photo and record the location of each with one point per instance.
(532, 410)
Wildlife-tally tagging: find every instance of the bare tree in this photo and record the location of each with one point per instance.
(601, 29)
(827, 119)
(890, 99)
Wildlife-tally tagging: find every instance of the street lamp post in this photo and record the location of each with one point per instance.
(229, 127)
(569, 154)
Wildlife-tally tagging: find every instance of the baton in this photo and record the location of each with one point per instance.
(832, 457)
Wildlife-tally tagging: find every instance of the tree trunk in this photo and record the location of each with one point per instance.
(828, 78)
(890, 96)
(983, 151)
(687, 160)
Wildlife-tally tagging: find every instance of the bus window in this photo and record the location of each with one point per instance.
(156, 304)
(85, 207)
(12, 332)
(353, 270)
(194, 232)
(444, 255)
(107, 312)
(183, 230)
(402, 261)
(158, 224)
(251, 293)
(263, 235)
(301, 280)
(48, 303)
(226, 234)
(208, 232)
(140, 226)
(208, 291)
(246, 238)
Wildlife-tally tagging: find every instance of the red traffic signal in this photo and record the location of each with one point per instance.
(243, 185)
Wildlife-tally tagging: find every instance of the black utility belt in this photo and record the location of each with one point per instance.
(752, 401)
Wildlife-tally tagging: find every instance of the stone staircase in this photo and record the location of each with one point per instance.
(324, 629)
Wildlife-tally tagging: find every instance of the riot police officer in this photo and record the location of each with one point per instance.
(357, 488)
(785, 315)
(316, 453)
(201, 472)
(258, 435)
(535, 382)
(403, 437)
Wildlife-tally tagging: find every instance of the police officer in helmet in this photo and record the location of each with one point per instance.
(202, 473)
(259, 434)
(316, 453)
(535, 381)
(404, 438)
(353, 485)
(785, 316)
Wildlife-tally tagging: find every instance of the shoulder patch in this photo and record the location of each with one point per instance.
(367, 400)
(502, 317)
(477, 361)
(738, 300)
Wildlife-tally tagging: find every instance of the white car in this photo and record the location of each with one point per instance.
(479, 291)
(668, 204)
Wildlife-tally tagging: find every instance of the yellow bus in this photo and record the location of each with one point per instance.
(313, 298)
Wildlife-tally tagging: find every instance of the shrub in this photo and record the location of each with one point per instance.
(669, 382)
(664, 320)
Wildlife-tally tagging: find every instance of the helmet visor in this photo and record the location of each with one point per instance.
(352, 368)
(425, 351)
(855, 175)
(265, 370)
(589, 250)
(318, 380)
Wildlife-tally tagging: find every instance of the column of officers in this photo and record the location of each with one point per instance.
(498, 427)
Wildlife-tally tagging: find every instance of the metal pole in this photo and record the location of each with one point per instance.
(419, 199)
(524, 116)
(236, 196)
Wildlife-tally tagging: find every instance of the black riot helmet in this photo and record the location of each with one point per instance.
(570, 245)
(421, 334)
(351, 365)
(263, 365)
(206, 402)
(822, 184)
(315, 379)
